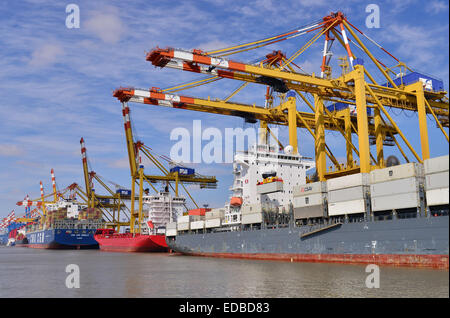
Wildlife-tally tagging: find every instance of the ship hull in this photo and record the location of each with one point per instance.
(130, 243)
(416, 242)
(62, 239)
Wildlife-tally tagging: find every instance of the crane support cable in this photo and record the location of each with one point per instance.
(188, 85)
(373, 41)
(189, 195)
(264, 40)
(236, 91)
(307, 45)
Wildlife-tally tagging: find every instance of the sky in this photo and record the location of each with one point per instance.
(57, 83)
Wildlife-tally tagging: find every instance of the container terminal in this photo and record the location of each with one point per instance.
(372, 208)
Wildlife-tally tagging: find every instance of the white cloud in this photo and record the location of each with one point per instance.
(7, 150)
(46, 55)
(106, 25)
(437, 6)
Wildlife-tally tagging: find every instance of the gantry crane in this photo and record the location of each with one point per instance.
(135, 150)
(355, 86)
(111, 205)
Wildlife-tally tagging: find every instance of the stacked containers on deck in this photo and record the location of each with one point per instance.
(348, 194)
(185, 221)
(397, 187)
(310, 200)
(436, 181)
(251, 214)
(171, 229)
(214, 218)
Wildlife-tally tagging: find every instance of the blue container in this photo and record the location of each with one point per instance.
(123, 191)
(339, 106)
(431, 84)
(183, 171)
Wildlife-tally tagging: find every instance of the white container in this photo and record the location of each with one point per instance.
(313, 211)
(434, 165)
(436, 180)
(189, 218)
(171, 232)
(270, 187)
(348, 194)
(353, 180)
(214, 214)
(437, 197)
(213, 223)
(395, 187)
(407, 170)
(310, 188)
(251, 208)
(310, 200)
(172, 225)
(197, 225)
(347, 207)
(183, 226)
(396, 201)
(252, 218)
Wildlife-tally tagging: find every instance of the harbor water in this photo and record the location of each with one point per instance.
(28, 272)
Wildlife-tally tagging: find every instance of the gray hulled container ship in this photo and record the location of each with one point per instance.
(393, 216)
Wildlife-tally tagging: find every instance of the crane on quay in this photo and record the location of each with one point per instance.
(111, 205)
(356, 88)
(137, 149)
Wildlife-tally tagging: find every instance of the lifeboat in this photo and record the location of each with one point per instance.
(236, 201)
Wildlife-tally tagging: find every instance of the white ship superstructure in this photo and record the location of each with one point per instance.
(249, 168)
(73, 209)
(160, 209)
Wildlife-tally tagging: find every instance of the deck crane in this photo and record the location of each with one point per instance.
(135, 150)
(357, 87)
(113, 202)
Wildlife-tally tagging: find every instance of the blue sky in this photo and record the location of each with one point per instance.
(57, 83)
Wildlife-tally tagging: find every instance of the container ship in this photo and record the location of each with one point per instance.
(396, 215)
(158, 210)
(65, 226)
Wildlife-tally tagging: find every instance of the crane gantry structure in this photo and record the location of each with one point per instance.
(357, 86)
(135, 151)
(111, 205)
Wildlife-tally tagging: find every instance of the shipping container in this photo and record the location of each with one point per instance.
(437, 197)
(197, 225)
(171, 225)
(309, 200)
(429, 83)
(252, 218)
(347, 207)
(271, 187)
(436, 180)
(200, 211)
(314, 211)
(348, 194)
(214, 214)
(395, 187)
(189, 218)
(183, 226)
(396, 201)
(412, 169)
(171, 232)
(434, 165)
(213, 223)
(183, 170)
(353, 180)
(310, 188)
